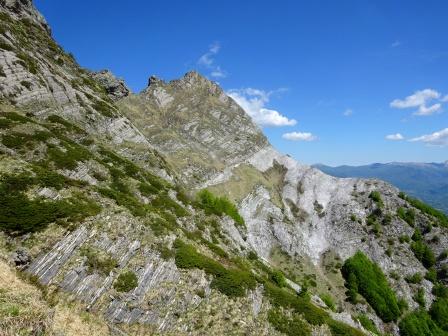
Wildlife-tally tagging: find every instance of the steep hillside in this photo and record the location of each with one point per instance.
(104, 215)
(428, 181)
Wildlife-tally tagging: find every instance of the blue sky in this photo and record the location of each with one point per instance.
(327, 80)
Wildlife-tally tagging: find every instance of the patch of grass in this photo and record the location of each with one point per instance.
(425, 208)
(29, 62)
(419, 297)
(124, 199)
(5, 123)
(55, 119)
(291, 326)
(218, 206)
(423, 253)
(278, 278)
(98, 261)
(126, 282)
(329, 301)
(17, 140)
(439, 313)
(376, 197)
(163, 201)
(414, 279)
(231, 282)
(19, 214)
(408, 215)
(69, 158)
(104, 108)
(365, 277)
(419, 323)
(367, 324)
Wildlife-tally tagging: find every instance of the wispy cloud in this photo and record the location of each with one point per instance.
(347, 113)
(395, 137)
(299, 136)
(426, 101)
(396, 44)
(439, 138)
(254, 101)
(207, 61)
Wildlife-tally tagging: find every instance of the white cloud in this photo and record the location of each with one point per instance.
(444, 99)
(396, 44)
(299, 136)
(394, 137)
(420, 99)
(439, 138)
(218, 73)
(208, 61)
(424, 111)
(254, 101)
(347, 113)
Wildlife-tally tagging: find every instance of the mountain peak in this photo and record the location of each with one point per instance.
(24, 9)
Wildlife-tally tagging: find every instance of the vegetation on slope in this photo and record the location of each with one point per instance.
(365, 277)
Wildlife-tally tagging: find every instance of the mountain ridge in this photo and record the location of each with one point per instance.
(427, 181)
(102, 209)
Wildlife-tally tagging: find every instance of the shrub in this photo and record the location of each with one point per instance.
(364, 276)
(163, 201)
(414, 279)
(408, 215)
(431, 275)
(329, 301)
(419, 323)
(104, 108)
(231, 282)
(70, 158)
(439, 313)
(440, 290)
(367, 324)
(278, 278)
(341, 329)
(68, 125)
(98, 261)
(19, 214)
(423, 253)
(126, 281)
(5, 123)
(376, 197)
(218, 206)
(425, 208)
(291, 326)
(419, 297)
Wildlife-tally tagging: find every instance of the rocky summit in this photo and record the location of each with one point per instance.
(167, 212)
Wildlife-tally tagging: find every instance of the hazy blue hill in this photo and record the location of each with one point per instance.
(427, 181)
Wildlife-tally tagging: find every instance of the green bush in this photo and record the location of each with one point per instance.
(440, 290)
(291, 326)
(419, 297)
(18, 140)
(439, 313)
(278, 278)
(98, 261)
(69, 158)
(368, 324)
(104, 108)
(408, 215)
(365, 277)
(164, 201)
(414, 279)
(5, 123)
(341, 329)
(68, 125)
(423, 253)
(419, 323)
(126, 281)
(19, 214)
(329, 301)
(231, 282)
(218, 206)
(376, 197)
(425, 208)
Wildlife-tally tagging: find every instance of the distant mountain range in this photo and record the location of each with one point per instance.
(427, 181)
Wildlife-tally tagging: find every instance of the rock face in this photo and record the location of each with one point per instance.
(195, 124)
(85, 142)
(115, 88)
